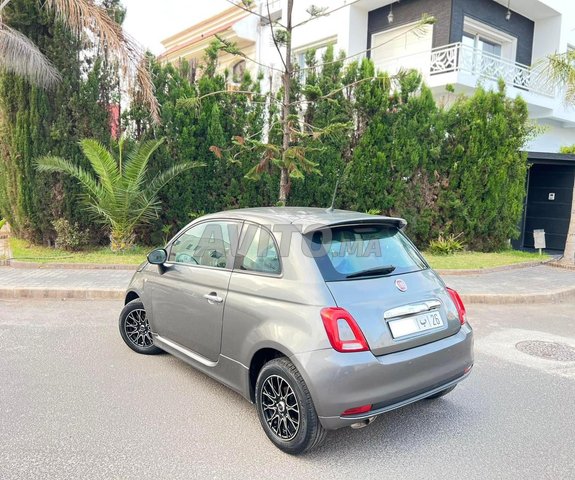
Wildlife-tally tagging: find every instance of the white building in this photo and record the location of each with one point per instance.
(471, 42)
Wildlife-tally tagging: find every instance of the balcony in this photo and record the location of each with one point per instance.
(464, 68)
(476, 65)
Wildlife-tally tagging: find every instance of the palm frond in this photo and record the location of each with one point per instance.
(103, 163)
(99, 210)
(163, 178)
(119, 202)
(20, 56)
(137, 163)
(148, 210)
(558, 70)
(60, 165)
(86, 15)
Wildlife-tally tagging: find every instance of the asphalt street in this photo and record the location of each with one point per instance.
(76, 403)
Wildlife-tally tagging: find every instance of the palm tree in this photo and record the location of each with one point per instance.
(561, 72)
(118, 193)
(19, 55)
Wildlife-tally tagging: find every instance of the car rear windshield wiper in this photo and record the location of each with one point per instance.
(384, 270)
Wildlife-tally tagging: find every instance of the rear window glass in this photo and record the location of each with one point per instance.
(364, 251)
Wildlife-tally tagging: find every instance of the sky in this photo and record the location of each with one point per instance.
(150, 21)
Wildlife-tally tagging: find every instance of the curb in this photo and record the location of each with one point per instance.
(520, 298)
(61, 293)
(502, 268)
(560, 265)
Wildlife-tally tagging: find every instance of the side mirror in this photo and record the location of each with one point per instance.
(158, 256)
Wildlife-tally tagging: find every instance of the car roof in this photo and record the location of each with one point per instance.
(307, 218)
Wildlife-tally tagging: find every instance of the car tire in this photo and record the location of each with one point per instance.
(285, 408)
(135, 330)
(442, 393)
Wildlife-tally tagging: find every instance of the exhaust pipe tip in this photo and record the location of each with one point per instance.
(362, 424)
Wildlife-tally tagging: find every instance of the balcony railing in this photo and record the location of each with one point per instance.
(457, 57)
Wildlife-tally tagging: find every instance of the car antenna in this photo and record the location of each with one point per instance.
(330, 209)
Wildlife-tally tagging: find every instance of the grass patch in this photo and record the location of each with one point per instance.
(479, 260)
(26, 252)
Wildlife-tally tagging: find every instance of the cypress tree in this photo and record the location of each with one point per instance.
(34, 122)
(333, 150)
(486, 168)
(191, 127)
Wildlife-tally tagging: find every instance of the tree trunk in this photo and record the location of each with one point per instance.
(287, 79)
(569, 253)
(121, 240)
(284, 187)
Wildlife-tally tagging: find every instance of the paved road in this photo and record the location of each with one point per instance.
(76, 403)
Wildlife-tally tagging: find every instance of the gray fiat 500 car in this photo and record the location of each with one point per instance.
(322, 318)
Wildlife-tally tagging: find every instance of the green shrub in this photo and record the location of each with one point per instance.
(485, 168)
(2, 222)
(69, 236)
(446, 245)
(373, 211)
(570, 149)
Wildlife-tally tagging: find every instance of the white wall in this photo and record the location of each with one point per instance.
(355, 31)
(546, 37)
(317, 29)
(553, 138)
(347, 25)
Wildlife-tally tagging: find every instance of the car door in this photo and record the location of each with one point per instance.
(189, 293)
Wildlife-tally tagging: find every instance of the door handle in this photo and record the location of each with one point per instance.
(213, 298)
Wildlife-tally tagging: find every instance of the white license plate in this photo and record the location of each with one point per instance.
(417, 323)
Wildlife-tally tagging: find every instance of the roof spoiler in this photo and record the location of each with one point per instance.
(399, 223)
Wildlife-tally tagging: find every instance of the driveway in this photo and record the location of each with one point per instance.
(76, 403)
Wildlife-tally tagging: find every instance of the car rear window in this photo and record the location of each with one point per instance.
(363, 251)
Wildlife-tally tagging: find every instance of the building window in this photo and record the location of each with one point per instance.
(489, 40)
(483, 44)
(319, 53)
(301, 54)
(238, 71)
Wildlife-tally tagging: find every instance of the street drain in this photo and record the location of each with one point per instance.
(549, 350)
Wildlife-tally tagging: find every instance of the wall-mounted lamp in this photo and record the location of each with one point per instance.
(508, 14)
(390, 15)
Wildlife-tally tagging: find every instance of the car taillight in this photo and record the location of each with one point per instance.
(342, 330)
(458, 305)
(357, 410)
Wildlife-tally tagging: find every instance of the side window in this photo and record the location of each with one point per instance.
(261, 254)
(207, 244)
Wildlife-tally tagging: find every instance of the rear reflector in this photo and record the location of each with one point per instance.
(342, 330)
(458, 305)
(357, 410)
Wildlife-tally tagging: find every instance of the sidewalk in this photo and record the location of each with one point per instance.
(63, 283)
(535, 284)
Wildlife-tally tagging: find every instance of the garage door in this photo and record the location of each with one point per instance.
(549, 204)
(402, 47)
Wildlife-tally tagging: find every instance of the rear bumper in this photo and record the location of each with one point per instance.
(339, 381)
